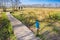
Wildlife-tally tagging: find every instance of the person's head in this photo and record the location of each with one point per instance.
(36, 20)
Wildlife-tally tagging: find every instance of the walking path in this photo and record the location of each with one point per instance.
(20, 30)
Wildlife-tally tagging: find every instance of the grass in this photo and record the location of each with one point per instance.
(6, 31)
(49, 20)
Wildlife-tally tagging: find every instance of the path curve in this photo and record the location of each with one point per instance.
(20, 30)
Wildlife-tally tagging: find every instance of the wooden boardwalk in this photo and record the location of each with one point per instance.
(20, 30)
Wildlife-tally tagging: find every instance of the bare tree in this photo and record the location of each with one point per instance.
(17, 2)
(0, 3)
(49, 4)
(12, 4)
(56, 5)
(4, 5)
(43, 5)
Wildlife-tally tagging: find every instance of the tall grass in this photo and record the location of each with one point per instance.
(6, 31)
(27, 19)
(48, 21)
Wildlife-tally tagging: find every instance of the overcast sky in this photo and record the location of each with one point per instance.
(39, 1)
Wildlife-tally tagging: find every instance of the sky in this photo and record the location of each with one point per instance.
(39, 1)
(28, 2)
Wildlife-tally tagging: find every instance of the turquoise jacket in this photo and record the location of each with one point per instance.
(37, 24)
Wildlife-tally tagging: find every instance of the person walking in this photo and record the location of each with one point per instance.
(37, 27)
